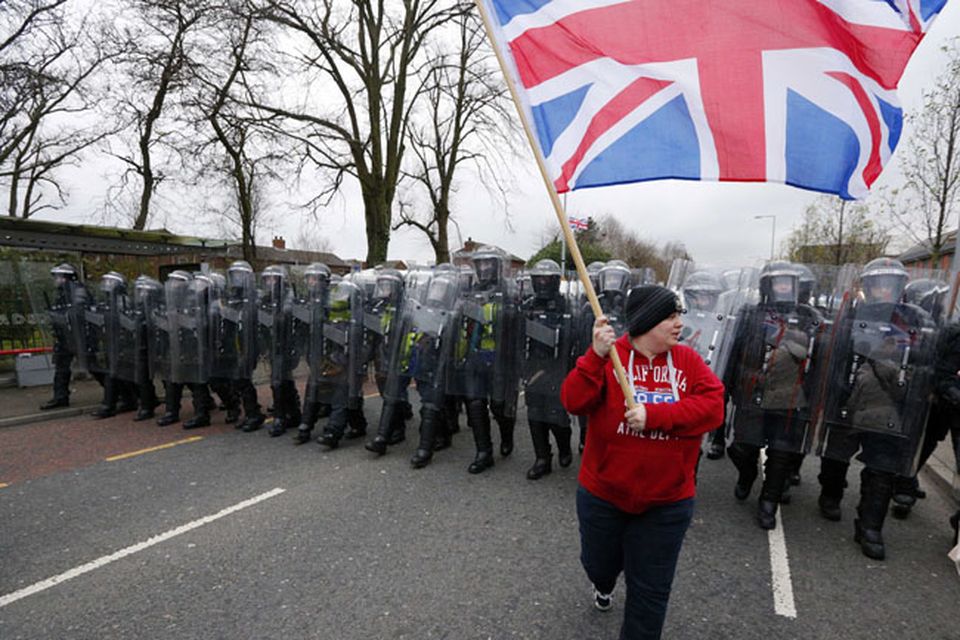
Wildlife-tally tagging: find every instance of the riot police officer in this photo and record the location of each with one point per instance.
(381, 318)
(880, 379)
(547, 356)
(66, 318)
(115, 348)
(342, 364)
(944, 417)
(181, 350)
(485, 369)
(311, 312)
(239, 316)
(281, 341)
(147, 296)
(702, 327)
(772, 379)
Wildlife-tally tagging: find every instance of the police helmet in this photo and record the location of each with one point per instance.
(883, 280)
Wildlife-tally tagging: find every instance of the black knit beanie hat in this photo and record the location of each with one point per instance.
(648, 306)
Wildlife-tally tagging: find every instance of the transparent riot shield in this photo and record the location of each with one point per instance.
(710, 307)
(125, 329)
(238, 316)
(880, 374)
(67, 307)
(95, 332)
(186, 313)
(546, 355)
(223, 333)
(336, 346)
(279, 337)
(776, 364)
(425, 335)
(147, 297)
(160, 334)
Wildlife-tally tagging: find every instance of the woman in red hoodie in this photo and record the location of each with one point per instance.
(635, 499)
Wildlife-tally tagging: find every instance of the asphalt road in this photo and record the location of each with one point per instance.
(359, 547)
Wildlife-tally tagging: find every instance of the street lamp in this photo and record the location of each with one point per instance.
(773, 232)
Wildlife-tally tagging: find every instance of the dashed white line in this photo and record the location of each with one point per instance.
(140, 546)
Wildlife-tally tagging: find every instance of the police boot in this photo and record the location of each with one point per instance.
(197, 421)
(143, 414)
(378, 444)
(876, 490)
(55, 403)
(715, 445)
(430, 421)
(252, 423)
(776, 478)
(398, 428)
(444, 438)
(168, 418)
(767, 514)
(955, 523)
(277, 428)
(905, 494)
(564, 452)
(833, 480)
(329, 440)
(357, 424)
(233, 415)
(506, 435)
(478, 419)
(540, 435)
(744, 459)
(102, 412)
(302, 436)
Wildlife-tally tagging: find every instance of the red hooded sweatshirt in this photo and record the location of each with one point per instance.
(636, 471)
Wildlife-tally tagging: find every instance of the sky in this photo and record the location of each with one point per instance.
(715, 221)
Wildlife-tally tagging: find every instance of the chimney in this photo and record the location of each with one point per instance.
(279, 242)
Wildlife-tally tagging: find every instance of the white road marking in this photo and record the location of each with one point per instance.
(783, 603)
(140, 546)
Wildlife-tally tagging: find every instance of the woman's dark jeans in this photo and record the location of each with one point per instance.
(644, 546)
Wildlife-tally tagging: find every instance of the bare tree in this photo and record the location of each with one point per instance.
(49, 62)
(226, 142)
(466, 122)
(834, 231)
(924, 208)
(370, 57)
(155, 65)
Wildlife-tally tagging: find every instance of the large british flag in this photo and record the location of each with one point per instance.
(801, 92)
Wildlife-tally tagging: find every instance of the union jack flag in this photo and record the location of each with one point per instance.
(579, 224)
(801, 92)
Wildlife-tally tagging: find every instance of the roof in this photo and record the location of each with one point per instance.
(62, 236)
(921, 251)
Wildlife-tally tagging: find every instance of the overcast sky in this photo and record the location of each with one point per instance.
(714, 220)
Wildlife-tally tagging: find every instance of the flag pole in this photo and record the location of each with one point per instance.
(563, 242)
(570, 239)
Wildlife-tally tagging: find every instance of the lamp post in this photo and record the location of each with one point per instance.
(773, 231)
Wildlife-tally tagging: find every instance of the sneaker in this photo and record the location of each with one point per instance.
(602, 601)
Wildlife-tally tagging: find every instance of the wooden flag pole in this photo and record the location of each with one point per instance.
(557, 206)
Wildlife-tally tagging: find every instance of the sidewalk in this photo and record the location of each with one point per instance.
(22, 405)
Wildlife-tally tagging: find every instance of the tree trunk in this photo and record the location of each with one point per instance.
(442, 244)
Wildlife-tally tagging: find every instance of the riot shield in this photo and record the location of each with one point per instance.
(147, 297)
(710, 309)
(879, 381)
(336, 346)
(124, 336)
(95, 332)
(67, 314)
(423, 346)
(223, 332)
(279, 337)
(778, 352)
(186, 315)
(546, 356)
(239, 315)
